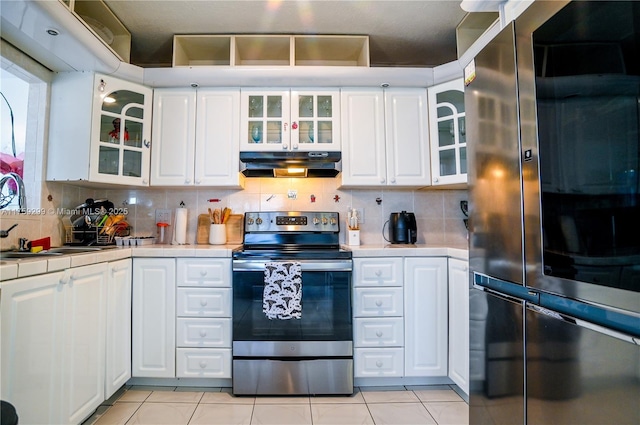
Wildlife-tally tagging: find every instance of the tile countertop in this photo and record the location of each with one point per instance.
(11, 269)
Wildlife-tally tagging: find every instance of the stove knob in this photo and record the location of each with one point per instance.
(316, 220)
(333, 221)
(324, 220)
(258, 221)
(249, 220)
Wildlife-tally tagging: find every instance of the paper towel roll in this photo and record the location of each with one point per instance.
(180, 229)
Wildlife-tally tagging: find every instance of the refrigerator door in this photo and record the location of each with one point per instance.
(579, 373)
(495, 207)
(496, 359)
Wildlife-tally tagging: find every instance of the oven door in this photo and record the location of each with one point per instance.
(326, 304)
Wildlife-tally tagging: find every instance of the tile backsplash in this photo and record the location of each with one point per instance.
(438, 214)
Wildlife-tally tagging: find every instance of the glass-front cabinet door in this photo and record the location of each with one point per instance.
(315, 120)
(120, 151)
(447, 128)
(265, 120)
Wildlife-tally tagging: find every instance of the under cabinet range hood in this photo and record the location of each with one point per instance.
(290, 164)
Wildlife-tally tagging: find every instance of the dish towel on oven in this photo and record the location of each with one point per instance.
(282, 295)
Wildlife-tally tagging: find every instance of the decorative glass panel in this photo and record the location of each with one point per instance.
(135, 112)
(110, 128)
(446, 133)
(444, 111)
(274, 132)
(447, 162)
(117, 101)
(306, 133)
(132, 163)
(305, 106)
(255, 132)
(256, 107)
(325, 108)
(274, 107)
(463, 160)
(455, 97)
(133, 134)
(325, 131)
(108, 161)
(462, 131)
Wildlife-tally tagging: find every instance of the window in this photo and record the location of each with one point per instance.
(22, 128)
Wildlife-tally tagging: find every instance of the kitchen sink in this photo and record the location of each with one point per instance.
(14, 255)
(62, 250)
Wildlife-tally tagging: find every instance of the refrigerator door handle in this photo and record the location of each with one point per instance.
(498, 286)
(584, 324)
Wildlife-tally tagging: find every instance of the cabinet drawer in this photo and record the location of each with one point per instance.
(204, 272)
(203, 302)
(386, 332)
(196, 332)
(378, 302)
(378, 362)
(377, 272)
(203, 362)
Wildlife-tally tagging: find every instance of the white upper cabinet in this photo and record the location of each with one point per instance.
(283, 120)
(196, 137)
(385, 137)
(100, 130)
(448, 133)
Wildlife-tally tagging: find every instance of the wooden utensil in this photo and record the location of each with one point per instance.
(217, 216)
(226, 212)
(204, 224)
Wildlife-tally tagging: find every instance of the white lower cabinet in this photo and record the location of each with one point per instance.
(53, 344)
(425, 316)
(459, 323)
(153, 318)
(378, 317)
(203, 309)
(379, 362)
(118, 350)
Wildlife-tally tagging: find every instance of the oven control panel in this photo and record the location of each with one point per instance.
(277, 221)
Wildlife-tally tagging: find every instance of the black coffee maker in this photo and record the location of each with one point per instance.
(403, 228)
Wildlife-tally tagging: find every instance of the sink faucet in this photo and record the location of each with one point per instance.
(5, 233)
(22, 196)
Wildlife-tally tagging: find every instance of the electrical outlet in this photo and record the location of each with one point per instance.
(360, 212)
(163, 216)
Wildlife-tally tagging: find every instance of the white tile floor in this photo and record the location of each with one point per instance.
(415, 405)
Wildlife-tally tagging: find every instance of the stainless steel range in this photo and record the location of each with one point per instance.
(292, 330)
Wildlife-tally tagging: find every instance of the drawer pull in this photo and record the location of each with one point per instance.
(378, 273)
(379, 303)
(203, 272)
(379, 334)
(379, 363)
(203, 333)
(203, 302)
(203, 364)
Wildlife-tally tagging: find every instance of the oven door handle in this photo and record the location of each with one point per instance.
(306, 265)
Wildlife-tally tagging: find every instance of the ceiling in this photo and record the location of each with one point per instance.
(401, 33)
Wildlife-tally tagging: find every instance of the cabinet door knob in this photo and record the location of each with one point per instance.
(63, 281)
(379, 363)
(436, 180)
(203, 333)
(203, 272)
(188, 181)
(203, 364)
(203, 302)
(379, 303)
(382, 180)
(198, 181)
(146, 143)
(379, 334)
(145, 181)
(393, 180)
(295, 146)
(285, 146)
(378, 273)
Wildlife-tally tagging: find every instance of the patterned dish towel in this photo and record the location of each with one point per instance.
(282, 295)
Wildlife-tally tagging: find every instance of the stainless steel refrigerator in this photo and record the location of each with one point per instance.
(553, 111)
